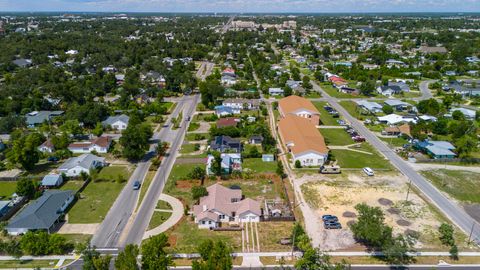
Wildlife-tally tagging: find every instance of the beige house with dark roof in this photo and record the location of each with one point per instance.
(224, 204)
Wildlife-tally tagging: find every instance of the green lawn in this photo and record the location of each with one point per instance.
(187, 148)
(196, 136)
(394, 142)
(334, 136)
(77, 238)
(461, 185)
(113, 172)
(72, 185)
(325, 117)
(351, 108)
(32, 264)
(351, 159)
(42, 168)
(180, 172)
(332, 91)
(7, 189)
(158, 218)
(258, 166)
(163, 205)
(97, 198)
(193, 126)
(188, 236)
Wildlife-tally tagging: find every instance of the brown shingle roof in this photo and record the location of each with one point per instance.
(301, 134)
(291, 104)
(227, 122)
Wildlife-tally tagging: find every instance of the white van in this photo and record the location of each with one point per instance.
(368, 171)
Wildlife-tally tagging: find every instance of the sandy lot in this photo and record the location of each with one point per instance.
(338, 195)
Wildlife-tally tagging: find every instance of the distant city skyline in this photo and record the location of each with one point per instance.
(246, 6)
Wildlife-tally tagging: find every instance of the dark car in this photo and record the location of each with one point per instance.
(326, 218)
(136, 185)
(53, 159)
(332, 225)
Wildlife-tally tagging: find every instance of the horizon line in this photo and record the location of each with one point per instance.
(248, 12)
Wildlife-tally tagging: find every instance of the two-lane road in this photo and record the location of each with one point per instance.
(113, 229)
(449, 208)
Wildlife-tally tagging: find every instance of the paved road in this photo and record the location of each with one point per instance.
(205, 70)
(453, 211)
(426, 93)
(114, 229)
(147, 206)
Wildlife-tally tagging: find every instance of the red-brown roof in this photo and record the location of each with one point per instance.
(301, 135)
(227, 122)
(292, 104)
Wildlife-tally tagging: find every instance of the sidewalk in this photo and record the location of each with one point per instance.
(177, 214)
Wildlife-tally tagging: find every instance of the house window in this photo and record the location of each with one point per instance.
(209, 222)
(203, 222)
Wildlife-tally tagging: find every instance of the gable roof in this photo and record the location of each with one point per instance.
(113, 119)
(38, 117)
(85, 161)
(292, 104)
(227, 122)
(302, 134)
(42, 213)
(51, 179)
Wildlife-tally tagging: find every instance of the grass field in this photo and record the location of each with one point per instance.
(351, 159)
(325, 117)
(351, 108)
(332, 91)
(196, 136)
(187, 237)
(158, 218)
(335, 136)
(461, 185)
(187, 148)
(394, 142)
(193, 126)
(113, 172)
(7, 189)
(72, 185)
(98, 197)
(258, 166)
(77, 238)
(32, 264)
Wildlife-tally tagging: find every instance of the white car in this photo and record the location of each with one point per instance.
(368, 171)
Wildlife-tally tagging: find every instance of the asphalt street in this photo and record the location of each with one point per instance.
(452, 210)
(112, 232)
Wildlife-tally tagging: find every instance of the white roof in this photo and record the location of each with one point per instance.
(393, 119)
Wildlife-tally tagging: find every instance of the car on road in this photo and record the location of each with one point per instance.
(368, 171)
(136, 185)
(53, 159)
(188, 119)
(326, 218)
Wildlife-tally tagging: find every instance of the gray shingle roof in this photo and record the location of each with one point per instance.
(42, 213)
(112, 119)
(38, 117)
(84, 161)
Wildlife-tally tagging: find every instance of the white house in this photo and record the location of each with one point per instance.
(76, 165)
(118, 122)
(99, 145)
(275, 91)
(224, 204)
(46, 147)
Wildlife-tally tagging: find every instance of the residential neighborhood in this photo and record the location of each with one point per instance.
(225, 140)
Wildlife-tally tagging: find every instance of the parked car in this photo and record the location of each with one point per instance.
(53, 159)
(368, 171)
(358, 138)
(329, 218)
(341, 122)
(136, 185)
(332, 225)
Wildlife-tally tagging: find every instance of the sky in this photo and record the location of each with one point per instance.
(238, 6)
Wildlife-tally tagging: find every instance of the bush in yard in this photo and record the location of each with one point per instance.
(197, 173)
(446, 237)
(154, 255)
(42, 243)
(298, 165)
(198, 192)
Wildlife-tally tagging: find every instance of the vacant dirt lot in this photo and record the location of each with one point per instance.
(338, 195)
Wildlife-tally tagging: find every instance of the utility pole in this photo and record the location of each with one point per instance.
(471, 232)
(408, 190)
